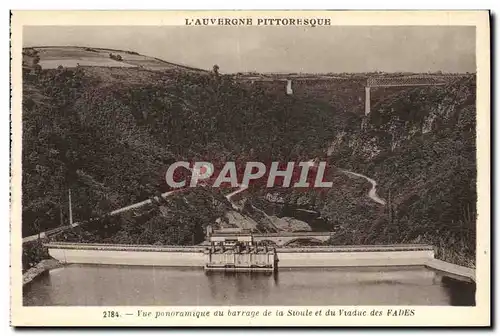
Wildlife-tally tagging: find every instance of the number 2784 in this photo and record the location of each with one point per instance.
(110, 314)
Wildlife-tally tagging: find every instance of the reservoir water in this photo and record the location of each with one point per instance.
(92, 285)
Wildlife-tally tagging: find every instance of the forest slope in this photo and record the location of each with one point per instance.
(109, 134)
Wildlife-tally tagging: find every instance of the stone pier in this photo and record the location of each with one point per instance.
(367, 100)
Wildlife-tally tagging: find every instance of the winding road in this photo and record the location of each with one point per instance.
(372, 194)
(234, 193)
(127, 208)
(373, 191)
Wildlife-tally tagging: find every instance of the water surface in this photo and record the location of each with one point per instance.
(92, 285)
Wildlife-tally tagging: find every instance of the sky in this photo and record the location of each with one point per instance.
(281, 49)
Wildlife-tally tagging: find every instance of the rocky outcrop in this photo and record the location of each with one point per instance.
(40, 268)
(290, 224)
(411, 112)
(236, 219)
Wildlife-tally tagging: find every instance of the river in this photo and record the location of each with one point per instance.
(91, 285)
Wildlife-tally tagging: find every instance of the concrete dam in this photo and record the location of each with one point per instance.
(243, 269)
(289, 257)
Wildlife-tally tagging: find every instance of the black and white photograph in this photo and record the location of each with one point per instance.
(249, 160)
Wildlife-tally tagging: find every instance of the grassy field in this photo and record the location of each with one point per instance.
(70, 57)
(82, 61)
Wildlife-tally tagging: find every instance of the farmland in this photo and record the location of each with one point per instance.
(70, 57)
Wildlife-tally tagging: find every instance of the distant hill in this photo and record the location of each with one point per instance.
(70, 56)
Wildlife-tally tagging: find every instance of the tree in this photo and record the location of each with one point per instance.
(216, 70)
(37, 69)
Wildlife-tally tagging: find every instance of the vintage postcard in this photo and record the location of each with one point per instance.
(250, 168)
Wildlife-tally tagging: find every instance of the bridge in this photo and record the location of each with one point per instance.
(281, 239)
(288, 81)
(400, 81)
(371, 82)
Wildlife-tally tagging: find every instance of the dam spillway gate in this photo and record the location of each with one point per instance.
(239, 253)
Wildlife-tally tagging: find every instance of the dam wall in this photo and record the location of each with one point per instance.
(345, 259)
(134, 255)
(133, 258)
(195, 256)
(299, 257)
